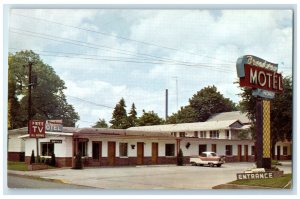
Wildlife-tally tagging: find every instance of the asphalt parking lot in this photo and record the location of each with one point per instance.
(150, 177)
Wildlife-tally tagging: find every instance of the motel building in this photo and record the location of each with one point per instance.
(227, 134)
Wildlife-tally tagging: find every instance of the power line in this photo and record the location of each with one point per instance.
(90, 45)
(158, 62)
(79, 54)
(96, 104)
(119, 37)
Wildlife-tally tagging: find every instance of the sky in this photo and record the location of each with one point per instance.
(104, 55)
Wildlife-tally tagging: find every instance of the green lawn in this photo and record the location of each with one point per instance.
(21, 166)
(273, 182)
(18, 166)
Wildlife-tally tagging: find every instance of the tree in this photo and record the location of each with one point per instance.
(281, 111)
(32, 160)
(209, 101)
(48, 99)
(149, 118)
(202, 105)
(101, 124)
(132, 116)
(185, 115)
(180, 158)
(119, 118)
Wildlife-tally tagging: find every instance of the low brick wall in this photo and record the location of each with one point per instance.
(16, 156)
(251, 158)
(60, 162)
(37, 166)
(284, 157)
(129, 161)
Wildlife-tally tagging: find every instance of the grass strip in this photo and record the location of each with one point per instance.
(279, 182)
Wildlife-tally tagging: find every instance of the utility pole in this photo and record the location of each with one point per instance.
(166, 104)
(176, 79)
(30, 84)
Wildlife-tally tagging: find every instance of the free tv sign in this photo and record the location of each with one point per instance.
(36, 129)
(259, 75)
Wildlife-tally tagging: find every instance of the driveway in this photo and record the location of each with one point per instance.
(149, 177)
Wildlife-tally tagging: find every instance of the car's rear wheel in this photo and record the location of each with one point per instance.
(193, 163)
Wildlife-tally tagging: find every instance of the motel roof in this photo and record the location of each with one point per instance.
(184, 127)
(234, 115)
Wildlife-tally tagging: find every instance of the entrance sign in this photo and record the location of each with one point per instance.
(54, 125)
(261, 76)
(36, 129)
(254, 176)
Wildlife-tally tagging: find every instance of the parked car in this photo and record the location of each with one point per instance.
(207, 158)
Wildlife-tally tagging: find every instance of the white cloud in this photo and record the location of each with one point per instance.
(213, 40)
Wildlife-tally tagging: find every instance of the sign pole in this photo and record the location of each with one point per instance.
(266, 160)
(259, 134)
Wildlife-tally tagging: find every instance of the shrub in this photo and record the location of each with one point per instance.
(32, 160)
(180, 158)
(38, 159)
(78, 162)
(47, 161)
(53, 161)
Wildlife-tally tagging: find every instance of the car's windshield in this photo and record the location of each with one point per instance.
(213, 154)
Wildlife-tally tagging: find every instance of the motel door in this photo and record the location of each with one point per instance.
(111, 153)
(97, 152)
(140, 153)
(278, 152)
(246, 153)
(214, 148)
(154, 152)
(239, 153)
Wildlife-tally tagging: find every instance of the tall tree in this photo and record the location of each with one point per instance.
(281, 111)
(119, 118)
(202, 105)
(209, 101)
(132, 116)
(101, 123)
(149, 118)
(48, 99)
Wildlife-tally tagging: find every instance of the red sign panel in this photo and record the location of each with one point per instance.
(257, 77)
(36, 129)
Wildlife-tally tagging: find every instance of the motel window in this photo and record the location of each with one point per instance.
(47, 148)
(170, 149)
(82, 148)
(227, 134)
(228, 149)
(203, 134)
(195, 134)
(214, 134)
(202, 148)
(284, 150)
(182, 134)
(173, 134)
(253, 150)
(123, 149)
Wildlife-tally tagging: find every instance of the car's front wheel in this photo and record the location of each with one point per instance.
(219, 165)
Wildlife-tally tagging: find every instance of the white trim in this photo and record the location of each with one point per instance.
(49, 133)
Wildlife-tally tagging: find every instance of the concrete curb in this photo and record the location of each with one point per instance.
(234, 186)
(38, 177)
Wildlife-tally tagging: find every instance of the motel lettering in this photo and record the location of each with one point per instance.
(253, 176)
